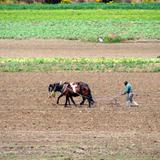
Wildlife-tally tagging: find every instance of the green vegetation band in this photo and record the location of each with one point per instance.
(79, 64)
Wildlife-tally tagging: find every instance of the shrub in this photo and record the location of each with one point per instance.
(7, 1)
(98, 1)
(148, 1)
(112, 38)
(66, 1)
(52, 1)
(106, 1)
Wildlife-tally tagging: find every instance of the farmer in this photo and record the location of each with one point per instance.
(129, 91)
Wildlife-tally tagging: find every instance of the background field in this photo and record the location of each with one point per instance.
(86, 25)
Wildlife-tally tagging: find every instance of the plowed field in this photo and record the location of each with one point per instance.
(32, 125)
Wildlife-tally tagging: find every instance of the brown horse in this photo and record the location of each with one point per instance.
(71, 90)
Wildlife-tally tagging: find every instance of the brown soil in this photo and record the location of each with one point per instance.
(30, 125)
(65, 48)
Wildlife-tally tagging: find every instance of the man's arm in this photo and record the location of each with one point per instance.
(124, 93)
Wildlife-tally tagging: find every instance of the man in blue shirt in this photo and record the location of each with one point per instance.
(129, 91)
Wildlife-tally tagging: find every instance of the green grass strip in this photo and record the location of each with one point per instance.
(92, 15)
(79, 64)
(81, 6)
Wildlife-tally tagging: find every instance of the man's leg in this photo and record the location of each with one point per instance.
(130, 97)
(128, 103)
(133, 103)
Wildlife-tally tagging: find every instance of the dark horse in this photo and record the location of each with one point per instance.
(71, 90)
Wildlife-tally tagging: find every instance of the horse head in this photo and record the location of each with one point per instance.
(56, 87)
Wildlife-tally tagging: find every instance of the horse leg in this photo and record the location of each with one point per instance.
(69, 102)
(59, 98)
(67, 99)
(83, 101)
(73, 100)
(89, 102)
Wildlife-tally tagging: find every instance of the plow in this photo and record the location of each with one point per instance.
(113, 101)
